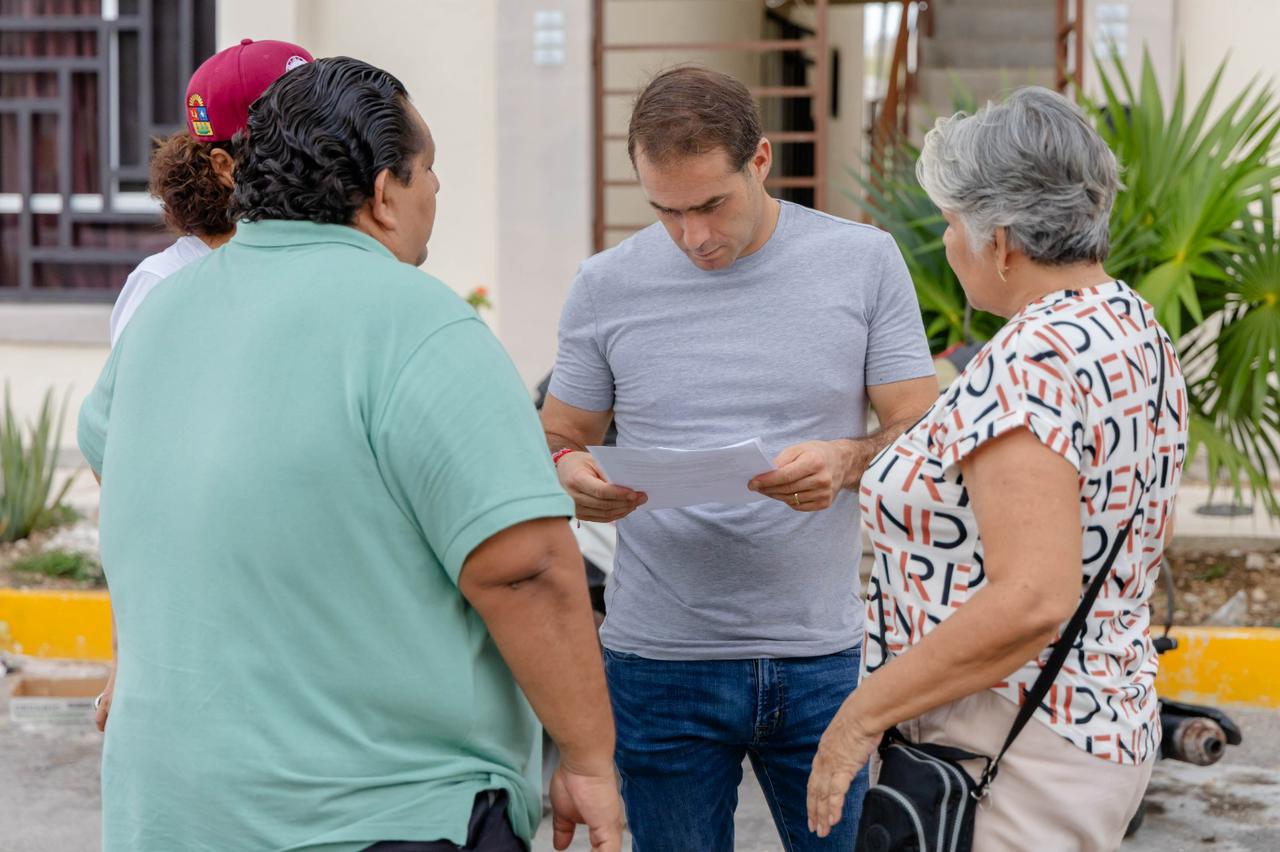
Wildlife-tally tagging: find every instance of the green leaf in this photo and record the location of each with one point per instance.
(1192, 229)
(28, 465)
(1160, 288)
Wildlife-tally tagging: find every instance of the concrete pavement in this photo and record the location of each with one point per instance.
(49, 796)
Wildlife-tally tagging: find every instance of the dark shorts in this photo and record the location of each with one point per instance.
(488, 831)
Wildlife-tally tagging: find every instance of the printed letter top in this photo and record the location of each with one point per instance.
(1079, 369)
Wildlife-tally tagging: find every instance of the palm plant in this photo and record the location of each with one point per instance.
(1193, 230)
(27, 468)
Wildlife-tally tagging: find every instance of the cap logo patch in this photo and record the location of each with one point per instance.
(199, 116)
(293, 62)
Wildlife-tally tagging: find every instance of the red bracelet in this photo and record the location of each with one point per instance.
(559, 454)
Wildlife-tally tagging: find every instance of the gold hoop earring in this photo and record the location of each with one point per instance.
(1000, 272)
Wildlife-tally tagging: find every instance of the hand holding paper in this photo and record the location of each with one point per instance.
(594, 497)
(811, 475)
(675, 478)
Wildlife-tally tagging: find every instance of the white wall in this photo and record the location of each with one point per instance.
(30, 370)
(278, 19)
(1143, 24)
(443, 51)
(1248, 29)
(1201, 32)
(543, 178)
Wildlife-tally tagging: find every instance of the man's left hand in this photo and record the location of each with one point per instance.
(810, 475)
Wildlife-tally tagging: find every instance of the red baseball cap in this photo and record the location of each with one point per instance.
(221, 90)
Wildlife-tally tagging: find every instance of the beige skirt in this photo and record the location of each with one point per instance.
(1049, 794)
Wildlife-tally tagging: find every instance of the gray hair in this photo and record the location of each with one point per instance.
(1032, 165)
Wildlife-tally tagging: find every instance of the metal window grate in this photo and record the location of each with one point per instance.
(84, 87)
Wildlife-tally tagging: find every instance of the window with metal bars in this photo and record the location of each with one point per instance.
(85, 86)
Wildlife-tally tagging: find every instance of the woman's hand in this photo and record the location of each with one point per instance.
(844, 749)
(102, 704)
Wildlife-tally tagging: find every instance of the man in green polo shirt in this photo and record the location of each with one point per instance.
(337, 550)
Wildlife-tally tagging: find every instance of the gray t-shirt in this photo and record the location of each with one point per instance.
(780, 346)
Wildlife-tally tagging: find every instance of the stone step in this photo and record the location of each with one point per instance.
(995, 20)
(1003, 5)
(953, 52)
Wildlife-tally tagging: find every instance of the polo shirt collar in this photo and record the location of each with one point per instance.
(282, 233)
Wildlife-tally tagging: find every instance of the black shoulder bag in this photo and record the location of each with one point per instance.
(924, 800)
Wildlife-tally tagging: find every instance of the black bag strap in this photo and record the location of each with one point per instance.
(1075, 627)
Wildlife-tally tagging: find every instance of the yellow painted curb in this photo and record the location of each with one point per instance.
(69, 625)
(1212, 665)
(1217, 665)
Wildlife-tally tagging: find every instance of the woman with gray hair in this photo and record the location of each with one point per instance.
(1054, 457)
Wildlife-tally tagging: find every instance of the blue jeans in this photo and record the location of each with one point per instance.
(683, 731)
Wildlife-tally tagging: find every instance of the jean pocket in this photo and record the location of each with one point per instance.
(854, 653)
(622, 656)
(846, 665)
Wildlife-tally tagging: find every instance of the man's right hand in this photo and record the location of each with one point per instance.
(527, 583)
(590, 800)
(593, 497)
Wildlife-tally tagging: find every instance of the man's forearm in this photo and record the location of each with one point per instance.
(860, 451)
(557, 442)
(569, 428)
(545, 633)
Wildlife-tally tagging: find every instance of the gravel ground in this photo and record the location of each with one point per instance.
(1205, 580)
(49, 798)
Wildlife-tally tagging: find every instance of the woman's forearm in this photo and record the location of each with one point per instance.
(992, 635)
(1025, 499)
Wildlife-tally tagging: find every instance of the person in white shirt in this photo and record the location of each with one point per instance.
(192, 171)
(155, 269)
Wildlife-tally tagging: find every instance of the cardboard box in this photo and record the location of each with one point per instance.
(54, 701)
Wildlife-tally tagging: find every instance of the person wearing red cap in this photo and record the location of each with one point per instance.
(191, 171)
(191, 174)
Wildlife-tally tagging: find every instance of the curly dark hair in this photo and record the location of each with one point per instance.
(691, 110)
(318, 138)
(182, 177)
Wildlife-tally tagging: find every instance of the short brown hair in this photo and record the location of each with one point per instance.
(690, 110)
(182, 177)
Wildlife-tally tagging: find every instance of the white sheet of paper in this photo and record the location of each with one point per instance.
(674, 478)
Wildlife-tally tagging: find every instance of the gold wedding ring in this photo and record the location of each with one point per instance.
(796, 497)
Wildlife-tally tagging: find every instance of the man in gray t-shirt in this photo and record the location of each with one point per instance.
(732, 630)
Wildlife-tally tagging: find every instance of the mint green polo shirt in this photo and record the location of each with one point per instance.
(301, 440)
